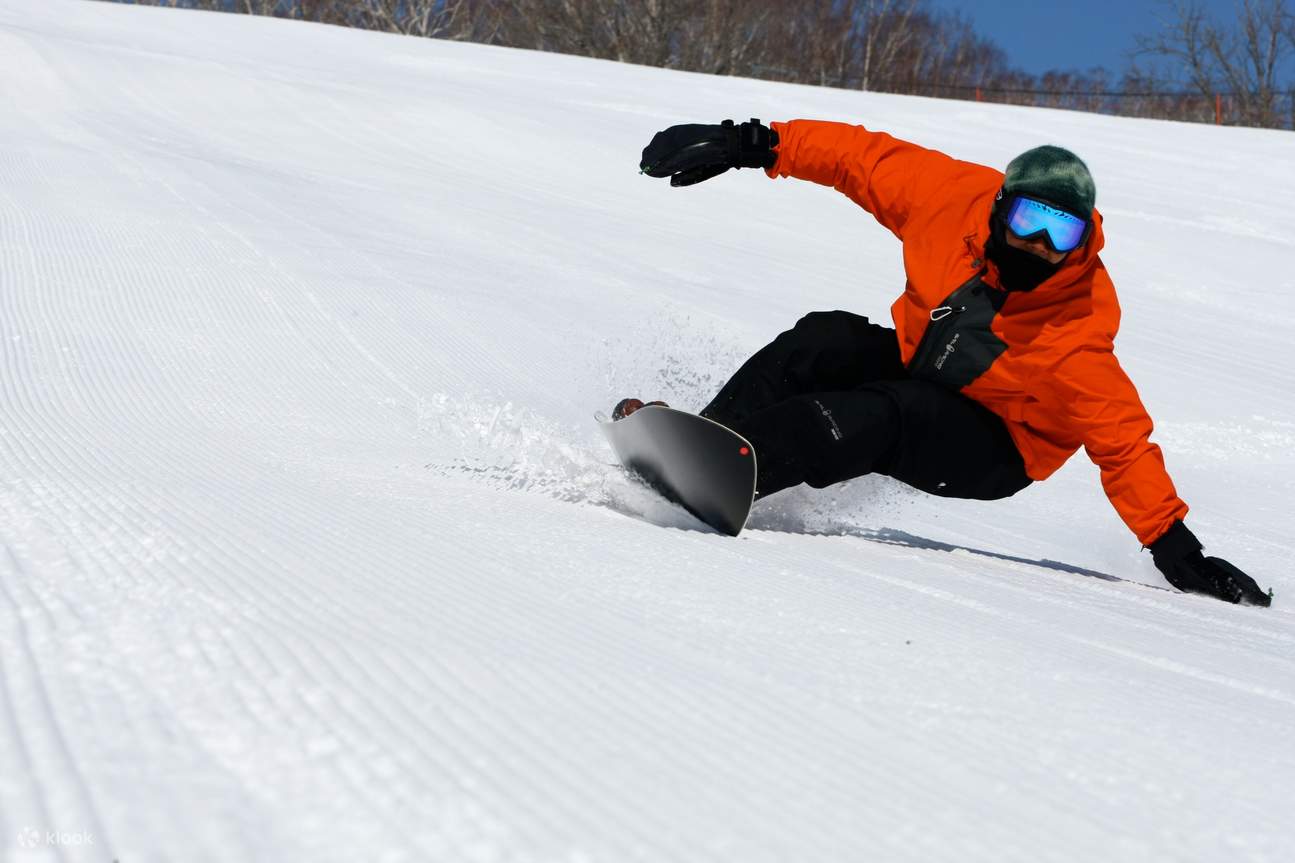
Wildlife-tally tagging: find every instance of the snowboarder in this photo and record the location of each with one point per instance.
(1001, 360)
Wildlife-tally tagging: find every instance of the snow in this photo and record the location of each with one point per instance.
(312, 550)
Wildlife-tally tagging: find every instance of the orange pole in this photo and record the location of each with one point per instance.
(978, 94)
(1218, 109)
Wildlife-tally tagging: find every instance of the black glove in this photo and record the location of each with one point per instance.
(691, 153)
(1178, 556)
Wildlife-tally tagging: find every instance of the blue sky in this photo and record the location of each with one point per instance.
(1080, 34)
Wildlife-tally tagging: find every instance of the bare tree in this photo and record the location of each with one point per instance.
(632, 31)
(886, 33)
(256, 7)
(727, 37)
(830, 41)
(1244, 61)
(432, 18)
(897, 46)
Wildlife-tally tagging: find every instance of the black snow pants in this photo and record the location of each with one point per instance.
(830, 399)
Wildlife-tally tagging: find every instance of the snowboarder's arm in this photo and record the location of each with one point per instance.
(1103, 405)
(890, 178)
(1092, 401)
(1102, 408)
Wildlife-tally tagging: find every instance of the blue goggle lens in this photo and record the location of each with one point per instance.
(1029, 217)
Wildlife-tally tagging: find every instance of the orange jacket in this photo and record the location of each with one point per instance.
(1058, 385)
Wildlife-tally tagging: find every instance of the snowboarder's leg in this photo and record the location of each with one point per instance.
(918, 432)
(823, 352)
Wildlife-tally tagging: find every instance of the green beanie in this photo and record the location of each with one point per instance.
(1053, 173)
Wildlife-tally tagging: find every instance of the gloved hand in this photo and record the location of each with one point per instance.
(1178, 557)
(691, 153)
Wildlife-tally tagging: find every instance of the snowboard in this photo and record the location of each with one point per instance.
(705, 467)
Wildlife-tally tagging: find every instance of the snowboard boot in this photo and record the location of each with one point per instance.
(625, 407)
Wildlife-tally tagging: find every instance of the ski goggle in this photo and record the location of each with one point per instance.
(1028, 218)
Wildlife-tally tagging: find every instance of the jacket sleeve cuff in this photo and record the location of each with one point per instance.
(779, 137)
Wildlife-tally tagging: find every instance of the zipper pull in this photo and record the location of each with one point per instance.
(944, 311)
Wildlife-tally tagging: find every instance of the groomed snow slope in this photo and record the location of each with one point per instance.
(311, 550)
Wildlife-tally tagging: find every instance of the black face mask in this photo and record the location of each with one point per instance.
(1018, 270)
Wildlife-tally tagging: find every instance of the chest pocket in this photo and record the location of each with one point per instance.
(958, 345)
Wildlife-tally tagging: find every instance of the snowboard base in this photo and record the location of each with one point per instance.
(697, 463)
